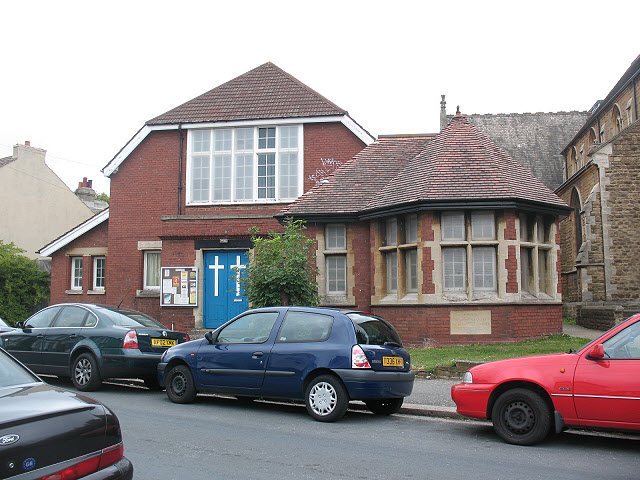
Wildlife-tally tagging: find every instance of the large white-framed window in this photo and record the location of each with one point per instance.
(76, 273)
(151, 275)
(336, 259)
(469, 252)
(99, 264)
(245, 164)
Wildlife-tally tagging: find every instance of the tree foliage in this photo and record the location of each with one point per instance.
(22, 284)
(281, 269)
(102, 196)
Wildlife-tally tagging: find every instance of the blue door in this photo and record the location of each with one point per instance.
(223, 298)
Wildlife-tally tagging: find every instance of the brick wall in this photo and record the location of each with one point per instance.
(429, 326)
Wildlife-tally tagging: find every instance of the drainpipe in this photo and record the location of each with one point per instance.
(180, 170)
(635, 103)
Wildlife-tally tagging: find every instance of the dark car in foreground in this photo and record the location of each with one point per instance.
(51, 433)
(597, 387)
(90, 343)
(326, 357)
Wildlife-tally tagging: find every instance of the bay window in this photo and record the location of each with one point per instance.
(336, 259)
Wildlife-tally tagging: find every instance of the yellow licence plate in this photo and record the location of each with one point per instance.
(162, 342)
(392, 361)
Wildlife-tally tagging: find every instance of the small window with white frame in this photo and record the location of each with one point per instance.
(151, 270)
(336, 259)
(76, 273)
(99, 264)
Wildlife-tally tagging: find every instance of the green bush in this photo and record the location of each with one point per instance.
(281, 269)
(22, 284)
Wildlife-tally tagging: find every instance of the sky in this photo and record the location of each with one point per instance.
(80, 78)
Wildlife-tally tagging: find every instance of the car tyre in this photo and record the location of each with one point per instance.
(385, 406)
(521, 417)
(180, 385)
(85, 373)
(326, 398)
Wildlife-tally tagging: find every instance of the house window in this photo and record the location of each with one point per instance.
(629, 114)
(400, 251)
(336, 259)
(151, 270)
(255, 164)
(98, 272)
(76, 273)
(536, 244)
(469, 252)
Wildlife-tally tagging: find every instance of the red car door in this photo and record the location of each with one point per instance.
(607, 390)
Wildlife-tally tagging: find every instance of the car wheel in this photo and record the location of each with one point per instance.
(385, 406)
(179, 385)
(326, 398)
(521, 417)
(152, 383)
(85, 374)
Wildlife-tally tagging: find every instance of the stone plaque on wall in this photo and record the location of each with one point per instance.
(470, 322)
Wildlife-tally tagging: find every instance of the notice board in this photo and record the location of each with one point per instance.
(179, 287)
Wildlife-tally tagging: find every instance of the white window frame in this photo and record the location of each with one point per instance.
(336, 248)
(76, 279)
(145, 267)
(96, 260)
(287, 171)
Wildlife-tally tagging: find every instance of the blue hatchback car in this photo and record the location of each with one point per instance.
(326, 357)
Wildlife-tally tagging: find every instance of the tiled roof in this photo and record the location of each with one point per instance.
(535, 140)
(350, 189)
(264, 92)
(459, 165)
(6, 160)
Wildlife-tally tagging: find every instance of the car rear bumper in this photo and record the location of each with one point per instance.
(133, 365)
(122, 470)
(368, 384)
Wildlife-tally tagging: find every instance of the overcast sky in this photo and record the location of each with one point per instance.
(80, 78)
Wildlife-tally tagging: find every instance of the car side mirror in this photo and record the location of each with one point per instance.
(597, 352)
(209, 337)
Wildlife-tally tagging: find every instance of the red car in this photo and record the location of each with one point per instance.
(528, 398)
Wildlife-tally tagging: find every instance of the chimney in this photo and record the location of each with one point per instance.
(27, 143)
(443, 113)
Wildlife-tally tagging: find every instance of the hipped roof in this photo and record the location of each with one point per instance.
(458, 168)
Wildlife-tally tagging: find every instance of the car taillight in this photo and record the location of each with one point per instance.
(130, 340)
(358, 358)
(107, 457)
(187, 339)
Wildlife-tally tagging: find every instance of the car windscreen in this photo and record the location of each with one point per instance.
(12, 373)
(373, 330)
(129, 318)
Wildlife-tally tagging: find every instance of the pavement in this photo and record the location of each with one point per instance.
(432, 396)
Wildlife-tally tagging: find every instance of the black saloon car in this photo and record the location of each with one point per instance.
(48, 433)
(90, 343)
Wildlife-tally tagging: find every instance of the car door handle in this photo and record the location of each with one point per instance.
(258, 354)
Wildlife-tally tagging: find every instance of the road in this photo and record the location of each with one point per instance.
(219, 438)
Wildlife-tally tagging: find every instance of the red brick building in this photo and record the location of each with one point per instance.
(188, 186)
(445, 235)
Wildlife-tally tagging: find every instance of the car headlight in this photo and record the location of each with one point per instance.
(467, 377)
